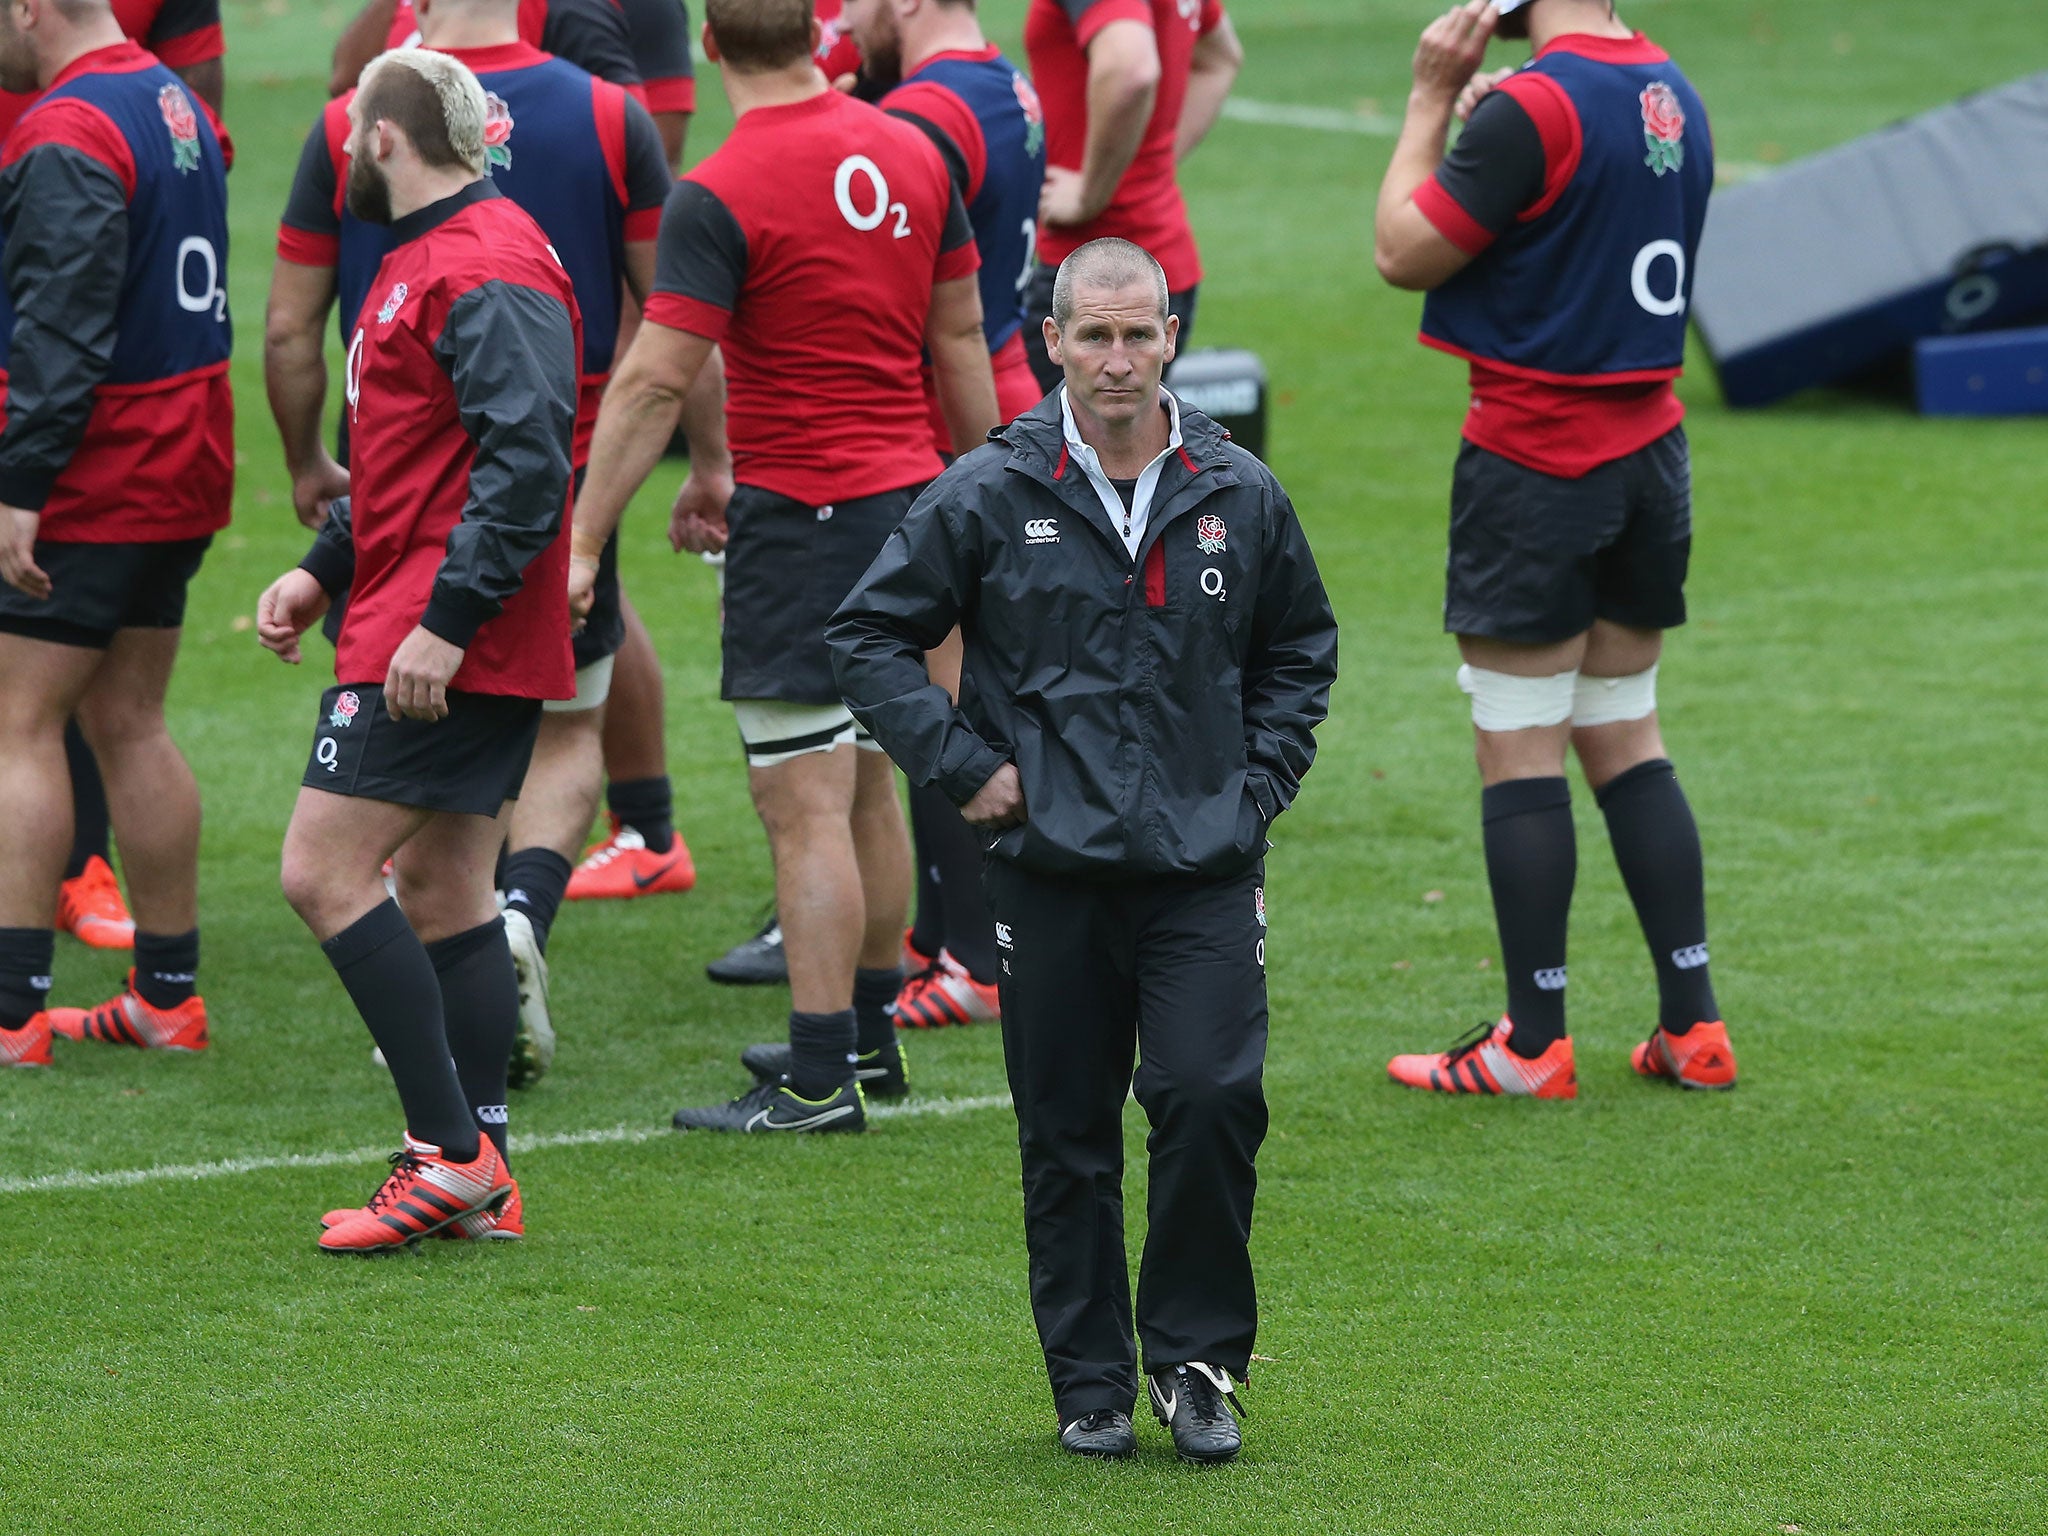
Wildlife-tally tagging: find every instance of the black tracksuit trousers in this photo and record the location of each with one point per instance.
(1091, 973)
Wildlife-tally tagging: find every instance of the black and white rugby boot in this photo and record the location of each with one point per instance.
(768, 1107)
(758, 962)
(1195, 1402)
(882, 1074)
(1104, 1434)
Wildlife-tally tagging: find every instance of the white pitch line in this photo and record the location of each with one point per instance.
(613, 1135)
(1276, 114)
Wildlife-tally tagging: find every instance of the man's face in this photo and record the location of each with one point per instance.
(1113, 350)
(17, 56)
(369, 190)
(872, 26)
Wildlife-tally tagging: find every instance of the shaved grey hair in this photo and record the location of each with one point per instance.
(1106, 264)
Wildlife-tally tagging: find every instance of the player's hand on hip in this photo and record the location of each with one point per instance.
(1476, 89)
(1059, 200)
(315, 489)
(18, 566)
(582, 591)
(999, 803)
(289, 607)
(697, 520)
(1452, 49)
(416, 687)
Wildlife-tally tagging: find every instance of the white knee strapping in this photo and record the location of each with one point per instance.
(1503, 702)
(1611, 700)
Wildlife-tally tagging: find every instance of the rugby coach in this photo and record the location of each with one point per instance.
(1148, 650)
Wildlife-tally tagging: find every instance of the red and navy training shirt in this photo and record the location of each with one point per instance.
(808, 244)
(1147, 209)
(591, 34)
(114, 327)
(180, 33)
(461, 396)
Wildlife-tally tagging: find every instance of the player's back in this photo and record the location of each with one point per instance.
(809, 244)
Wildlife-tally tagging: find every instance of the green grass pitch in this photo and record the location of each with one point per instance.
(1813, 1305)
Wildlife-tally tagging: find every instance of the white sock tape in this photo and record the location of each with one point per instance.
(1611, 700)
(1504, 702)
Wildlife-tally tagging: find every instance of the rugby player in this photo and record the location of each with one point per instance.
(186, 38)
(1131, 87)
(116, 470)
(584, 160)
(1556, 244)
(462, 393)
(825, 246)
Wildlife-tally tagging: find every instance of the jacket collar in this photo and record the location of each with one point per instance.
(421, 220)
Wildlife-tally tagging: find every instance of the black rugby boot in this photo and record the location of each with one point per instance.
(1194, 1401)
(1104, 1434)
(776, 1107)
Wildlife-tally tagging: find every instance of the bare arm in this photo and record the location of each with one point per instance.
(1409, 250)
(640, 270)
(208, 81)
(641, 406)
(295, 379)
(360, 41)
(674, 128)
(1218, 58)
(960, 366)
(1123, 85)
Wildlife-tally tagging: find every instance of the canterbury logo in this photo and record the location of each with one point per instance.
(492, 1114)
(1003, 936)
(1042, 530)
(1551, 980)
(1690, 958)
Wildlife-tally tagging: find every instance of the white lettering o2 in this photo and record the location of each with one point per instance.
(209, 294)
(1639, 278)
(842, 193)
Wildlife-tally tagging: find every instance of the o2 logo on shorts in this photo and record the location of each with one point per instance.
(345, 709)
(327, 753)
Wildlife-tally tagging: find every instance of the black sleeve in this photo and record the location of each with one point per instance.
(660, 34)
(175, 18)
(942, 141)
(310, 204)
(959, 228)
(703, 250)
(511, 352)
(1291, 663)
(66, 216)
(919, 587)
(648, 178)
(1495, 170)
(332, 559)
(591, 34)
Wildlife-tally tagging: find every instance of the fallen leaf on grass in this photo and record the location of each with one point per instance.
(1431, 898)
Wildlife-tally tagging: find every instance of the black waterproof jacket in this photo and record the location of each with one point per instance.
(1160, 710)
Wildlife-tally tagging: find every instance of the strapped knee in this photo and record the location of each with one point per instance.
(1612, 700)
(1504, 702)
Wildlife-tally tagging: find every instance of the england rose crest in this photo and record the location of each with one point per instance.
(1209, 532)
(497, 131)
(344, 711)
(183, 125)
(1663, 128)
(1259, 905)
(1034, 113)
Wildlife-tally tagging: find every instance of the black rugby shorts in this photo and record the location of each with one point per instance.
(96, 589)
(470, 763)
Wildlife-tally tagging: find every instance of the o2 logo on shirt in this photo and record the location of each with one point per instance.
(1191, 13)
(1639, 278)
(199, 284)
(878, 185)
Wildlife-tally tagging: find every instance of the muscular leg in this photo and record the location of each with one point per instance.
(883, 851)
(635, 739)
(552, 815)
(1531, 852)
(1650, 823)
(89, 814)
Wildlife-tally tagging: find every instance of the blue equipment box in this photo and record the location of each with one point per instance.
(1996, 373)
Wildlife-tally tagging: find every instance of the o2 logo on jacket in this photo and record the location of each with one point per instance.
(183, 125)
(1209, 532)
(352, 372)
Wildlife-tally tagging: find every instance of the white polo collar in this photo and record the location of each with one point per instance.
(1130, 523)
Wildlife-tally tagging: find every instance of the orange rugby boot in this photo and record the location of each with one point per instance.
(623, 866)
(129, 1020)
(508, 1224)
(945, 995)
(425, 1193)
(1699, 1058)
(28, 1046)
(91, 910)
(915, 961)
(1482, 1063)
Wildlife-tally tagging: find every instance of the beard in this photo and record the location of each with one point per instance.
(881, 64)
(1514, 26)
(17, 62)
(369, 191)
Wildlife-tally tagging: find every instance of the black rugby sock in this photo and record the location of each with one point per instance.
(1657, 844)
(1532, 862)
(480, 1003)
(533, 881)
(647, 806)
(26, 955)
(821, 1052)
(166, 967)
(970, 931)
(873, 992)
(928, 930)
(392, 983)
(90, 820)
